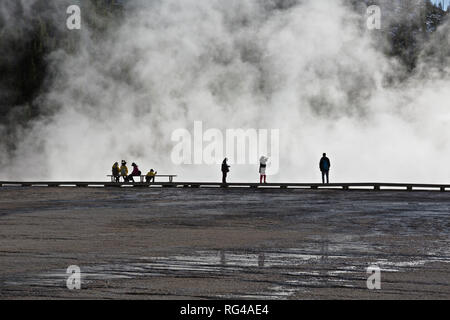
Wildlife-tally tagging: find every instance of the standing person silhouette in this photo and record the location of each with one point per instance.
(325, 166)
(225, 170)
(262, 169)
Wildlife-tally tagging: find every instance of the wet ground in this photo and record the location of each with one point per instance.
(223, 243)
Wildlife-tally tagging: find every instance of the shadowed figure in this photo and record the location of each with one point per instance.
(135, 173)
(116, 172)
(124, 171)
(225, 170)
(150, 177)
(223, 260)
(324, 262)
(261, 259)
(325, 166)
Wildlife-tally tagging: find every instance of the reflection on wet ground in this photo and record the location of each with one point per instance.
(234, 244)
(285, 271)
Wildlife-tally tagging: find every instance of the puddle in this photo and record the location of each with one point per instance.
(284, 272)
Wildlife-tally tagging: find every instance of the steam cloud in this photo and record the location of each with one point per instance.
(308, 68)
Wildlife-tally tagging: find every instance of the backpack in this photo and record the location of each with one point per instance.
(326, 164)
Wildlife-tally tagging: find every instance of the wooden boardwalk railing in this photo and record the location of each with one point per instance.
(314, 186)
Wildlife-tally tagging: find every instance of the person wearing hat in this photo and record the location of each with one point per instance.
(124, 171)
(135, 173)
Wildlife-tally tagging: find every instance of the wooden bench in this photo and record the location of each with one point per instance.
(142, 177)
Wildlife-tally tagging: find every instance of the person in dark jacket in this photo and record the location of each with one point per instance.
(324, 166)
(116, 171)
(225, 170)
(135, 173)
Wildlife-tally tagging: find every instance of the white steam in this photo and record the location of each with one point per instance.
(309, 69)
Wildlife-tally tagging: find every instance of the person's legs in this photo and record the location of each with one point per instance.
(260, 178)
(328, 180)
(265, 179)
(323, 177)
(224, 177)
(152, 179)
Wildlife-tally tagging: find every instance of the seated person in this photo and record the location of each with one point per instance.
(135, 173)
(116, 172)
(150, 177)
(124, 171)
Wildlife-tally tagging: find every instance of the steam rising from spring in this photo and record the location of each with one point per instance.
(308, 68)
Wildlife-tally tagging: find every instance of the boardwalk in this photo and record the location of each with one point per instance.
(186, 184)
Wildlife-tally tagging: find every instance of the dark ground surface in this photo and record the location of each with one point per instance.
(223, 243)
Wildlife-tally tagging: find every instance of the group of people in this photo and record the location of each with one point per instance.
(262, 169)
(324, 166)
(122, 171)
